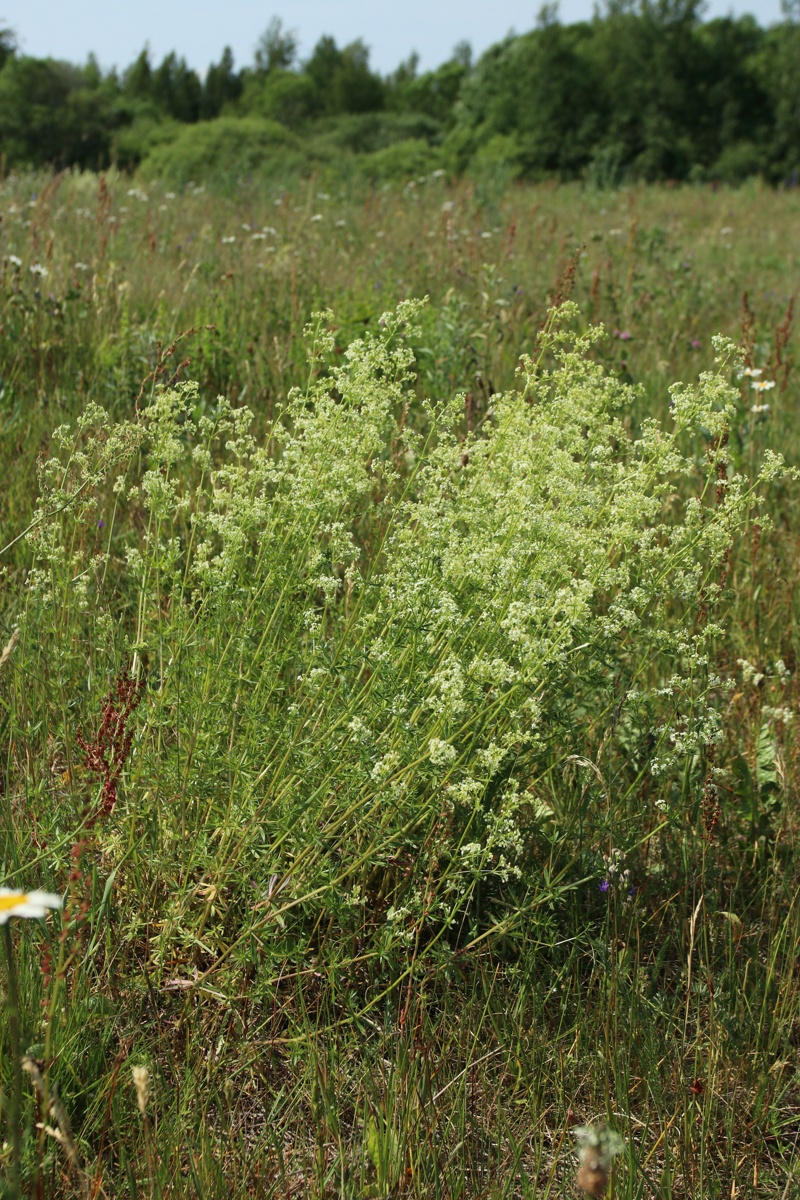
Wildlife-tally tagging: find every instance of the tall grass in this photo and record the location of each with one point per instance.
(412, 730)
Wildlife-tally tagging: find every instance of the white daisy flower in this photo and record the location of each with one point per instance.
(14, 903)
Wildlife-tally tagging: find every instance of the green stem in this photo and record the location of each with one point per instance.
(15, 1042)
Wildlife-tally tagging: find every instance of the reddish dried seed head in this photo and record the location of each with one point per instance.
(105, 756)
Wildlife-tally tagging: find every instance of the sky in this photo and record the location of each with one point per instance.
(116, 30)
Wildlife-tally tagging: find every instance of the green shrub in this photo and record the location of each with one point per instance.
(401, 161)
(365, 133)
(227, 148)
(739, 162)
(132, 143)
(500, 153)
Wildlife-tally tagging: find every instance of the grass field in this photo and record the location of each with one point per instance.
(412, 734)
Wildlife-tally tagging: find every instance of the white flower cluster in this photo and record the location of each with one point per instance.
(381, 624)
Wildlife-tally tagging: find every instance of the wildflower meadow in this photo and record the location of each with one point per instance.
(398, 684)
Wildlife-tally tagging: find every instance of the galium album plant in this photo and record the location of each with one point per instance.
(372, 647)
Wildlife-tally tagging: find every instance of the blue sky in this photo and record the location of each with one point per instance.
(116, 30)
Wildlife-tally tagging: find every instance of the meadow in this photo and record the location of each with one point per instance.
(399, 685)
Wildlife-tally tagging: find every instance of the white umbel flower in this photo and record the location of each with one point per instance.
(26, 904)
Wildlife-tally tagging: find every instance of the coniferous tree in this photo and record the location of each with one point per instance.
(222, 85)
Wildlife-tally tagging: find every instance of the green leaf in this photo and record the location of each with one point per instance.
(744, 788)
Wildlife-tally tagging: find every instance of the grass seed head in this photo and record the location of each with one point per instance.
(141, 1081)
(8, 649)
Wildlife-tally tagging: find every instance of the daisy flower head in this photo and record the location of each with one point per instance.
(763, 385)
(14, 903)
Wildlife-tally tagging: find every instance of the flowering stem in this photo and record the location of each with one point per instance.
(57, 981)
(15, 1041)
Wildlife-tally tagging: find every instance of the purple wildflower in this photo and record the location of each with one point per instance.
(604, 885)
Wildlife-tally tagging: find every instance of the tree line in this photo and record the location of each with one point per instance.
(646, 89)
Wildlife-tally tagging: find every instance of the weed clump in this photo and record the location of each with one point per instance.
(366, 641)
(381, 686)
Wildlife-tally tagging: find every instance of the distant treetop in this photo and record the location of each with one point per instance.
(646, 89)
